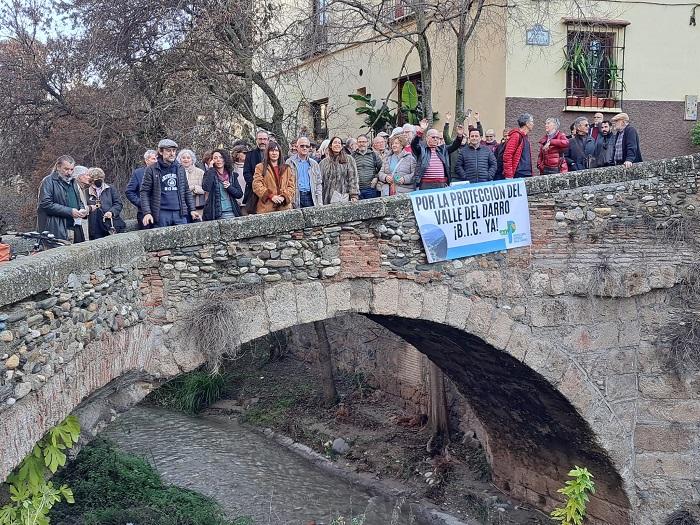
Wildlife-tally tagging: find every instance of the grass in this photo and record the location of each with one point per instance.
(114, 488)
(191, 392)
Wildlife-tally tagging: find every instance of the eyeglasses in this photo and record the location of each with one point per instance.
(303, 146)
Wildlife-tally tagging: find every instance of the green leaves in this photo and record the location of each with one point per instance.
(409, 96)
(31, 495)
(576, 491)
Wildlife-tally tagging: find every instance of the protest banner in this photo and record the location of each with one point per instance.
(472, 219)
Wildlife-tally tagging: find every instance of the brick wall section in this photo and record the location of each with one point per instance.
(582, 310)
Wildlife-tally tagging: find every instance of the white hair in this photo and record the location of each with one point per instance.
(189, 152)
(149, 152)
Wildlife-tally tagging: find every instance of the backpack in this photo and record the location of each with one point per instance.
(500, 149)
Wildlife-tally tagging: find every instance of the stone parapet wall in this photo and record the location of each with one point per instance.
(582, 307)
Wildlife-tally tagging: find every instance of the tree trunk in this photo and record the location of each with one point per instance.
(461, 78)
(439, 423)
(426, 73)
(325, 365)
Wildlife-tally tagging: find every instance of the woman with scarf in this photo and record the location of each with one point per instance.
(221, 188)
(339, 175)
(552, 148)
(105, 206)
(274, 182)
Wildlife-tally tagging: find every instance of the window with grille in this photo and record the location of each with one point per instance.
(594, 61)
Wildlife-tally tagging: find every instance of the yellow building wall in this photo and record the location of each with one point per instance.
(661, 52)
(374, 67)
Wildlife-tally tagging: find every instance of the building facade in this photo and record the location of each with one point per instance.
(545, 58)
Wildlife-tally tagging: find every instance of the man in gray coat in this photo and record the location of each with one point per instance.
(166, 199)
(309, 187)
(476, 162)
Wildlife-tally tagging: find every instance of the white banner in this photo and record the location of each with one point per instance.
(472, 219)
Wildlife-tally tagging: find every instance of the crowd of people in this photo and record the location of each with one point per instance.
(175, 187)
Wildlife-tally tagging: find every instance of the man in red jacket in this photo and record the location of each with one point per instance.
(517, 157)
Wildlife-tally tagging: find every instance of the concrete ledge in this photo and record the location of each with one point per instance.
(180, 236)
(27, 276)
(259, 225)
(344, 212)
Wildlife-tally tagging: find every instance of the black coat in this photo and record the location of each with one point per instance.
(53, 212)
(109, 201)
(150, 192)
(212, 206)
(605, 150)
(631, 151)
(580, 155)
(475, 164)
(252, 159)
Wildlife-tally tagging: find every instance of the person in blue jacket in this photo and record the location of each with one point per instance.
(134, 187)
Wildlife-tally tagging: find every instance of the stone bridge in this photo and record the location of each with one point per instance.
(568, 352)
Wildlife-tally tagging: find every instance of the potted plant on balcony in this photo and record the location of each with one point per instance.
(577, 66)
(615, 83)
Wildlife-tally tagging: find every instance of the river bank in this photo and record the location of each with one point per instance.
(383, 442)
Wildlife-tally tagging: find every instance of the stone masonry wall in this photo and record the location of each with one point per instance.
(583, 307)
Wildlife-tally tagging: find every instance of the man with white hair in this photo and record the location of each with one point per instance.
(627, 150)
(433, 159)
(133, 189)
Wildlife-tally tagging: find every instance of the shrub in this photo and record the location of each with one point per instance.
(191, 392)
(576, 492)
(114, 488)
(695, 134)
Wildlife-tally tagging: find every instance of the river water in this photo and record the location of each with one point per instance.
(245, 472)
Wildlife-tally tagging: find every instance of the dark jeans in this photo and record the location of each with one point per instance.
(170, 218)
(305, 199)
(432, 185)
(369, 193)
(550, 171)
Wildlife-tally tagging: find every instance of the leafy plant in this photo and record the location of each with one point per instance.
(614, 77)
(409, 102)
(576, 491)
(377, 118)
(31, 496)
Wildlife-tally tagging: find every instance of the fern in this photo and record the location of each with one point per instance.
(576, 491)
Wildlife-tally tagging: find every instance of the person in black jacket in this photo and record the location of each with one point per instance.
(476, 162)
(605, 145)
(166, 199)
(627, 149)
(221, 188)
(252, 159)
(61, 210)
(580, 155)
(105, 206)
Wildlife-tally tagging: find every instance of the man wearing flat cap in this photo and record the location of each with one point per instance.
(627, 149)
(166, 199)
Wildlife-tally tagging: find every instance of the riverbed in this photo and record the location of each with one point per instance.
(245, 472)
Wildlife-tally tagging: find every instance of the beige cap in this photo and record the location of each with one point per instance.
(621, 116)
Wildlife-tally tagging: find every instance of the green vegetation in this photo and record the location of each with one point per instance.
(271, 415)
(191, 392)
(114, 488)
(576, 492)
(695, 134)
(31, 496)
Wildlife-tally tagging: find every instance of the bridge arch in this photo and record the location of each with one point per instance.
(574, 318)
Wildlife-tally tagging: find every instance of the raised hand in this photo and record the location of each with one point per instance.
(424, 124)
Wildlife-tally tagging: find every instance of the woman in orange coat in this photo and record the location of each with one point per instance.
(274, 182)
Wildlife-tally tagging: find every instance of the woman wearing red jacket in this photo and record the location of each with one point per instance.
(552, 146)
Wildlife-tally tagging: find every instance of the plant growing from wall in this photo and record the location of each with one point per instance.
(576, 491)
(695, 134)
(31, 496)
